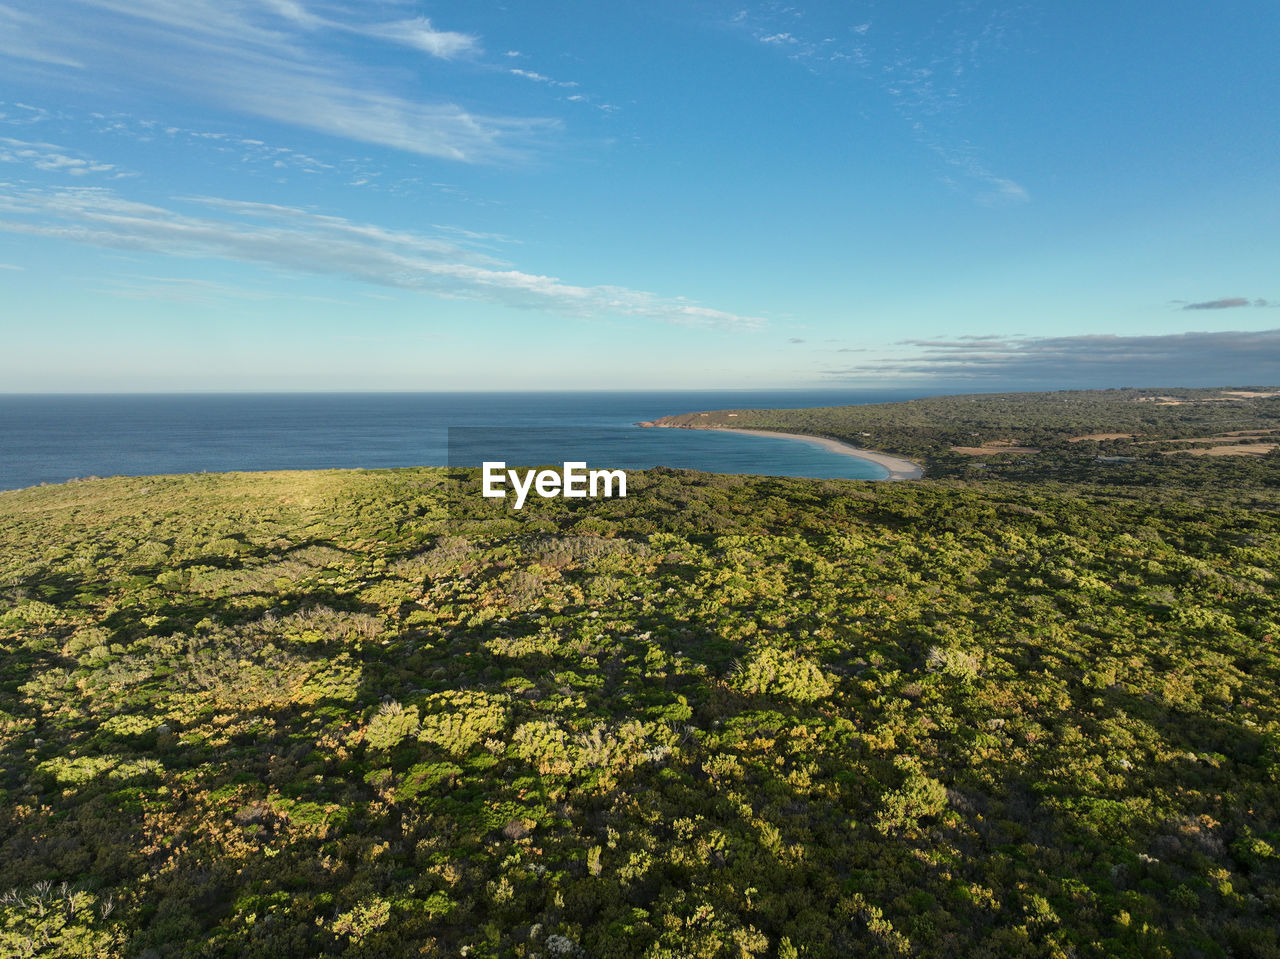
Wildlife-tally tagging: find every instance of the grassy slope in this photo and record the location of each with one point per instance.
(296, 714)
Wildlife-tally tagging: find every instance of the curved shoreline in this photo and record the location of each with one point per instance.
(899, 468)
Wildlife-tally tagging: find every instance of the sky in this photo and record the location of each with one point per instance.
(397, 195)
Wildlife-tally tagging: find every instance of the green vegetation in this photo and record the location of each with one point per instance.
(350, 714)
(1167, 429)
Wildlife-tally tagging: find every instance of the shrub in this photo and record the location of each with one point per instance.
(783, 673)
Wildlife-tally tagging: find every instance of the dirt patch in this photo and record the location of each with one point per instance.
(1229, 437)
(1174, 401)
(1249, 395)
(1102, 436)
(1240, 449)
(990, 449)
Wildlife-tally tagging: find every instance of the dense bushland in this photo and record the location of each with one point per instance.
(1151, 436)
(343, 713)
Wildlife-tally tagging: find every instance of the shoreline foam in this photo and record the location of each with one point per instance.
(899, 468)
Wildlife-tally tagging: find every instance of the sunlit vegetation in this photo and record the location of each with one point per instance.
(341, 713)
(1130, 437)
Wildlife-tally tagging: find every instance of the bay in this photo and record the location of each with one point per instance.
(51, 438)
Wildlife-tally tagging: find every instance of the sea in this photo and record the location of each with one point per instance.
(51, 438)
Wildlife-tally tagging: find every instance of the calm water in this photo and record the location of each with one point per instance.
(49, 439)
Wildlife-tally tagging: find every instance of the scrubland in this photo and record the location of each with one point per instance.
(365, 714)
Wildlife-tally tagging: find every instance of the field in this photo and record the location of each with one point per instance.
(359, 714)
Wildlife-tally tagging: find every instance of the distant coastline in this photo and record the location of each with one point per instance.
(53, 438)
(899, 468)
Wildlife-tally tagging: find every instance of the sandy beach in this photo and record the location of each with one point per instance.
(899, 469)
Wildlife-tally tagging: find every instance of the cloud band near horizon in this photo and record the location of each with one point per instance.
(1226, 303)
(1201, 357)
(294, 239)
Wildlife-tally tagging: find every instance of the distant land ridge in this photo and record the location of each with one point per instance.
(1118, 435)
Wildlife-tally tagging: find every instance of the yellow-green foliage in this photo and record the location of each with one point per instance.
(544, 744)
(457, 721)
(82, 769)
(297, 715)
(784, 673)
(918, 797)
(58, 921)
(392, 724)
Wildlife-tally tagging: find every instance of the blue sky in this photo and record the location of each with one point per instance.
(302, 194)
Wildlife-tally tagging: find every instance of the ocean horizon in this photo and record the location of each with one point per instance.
(52, 438)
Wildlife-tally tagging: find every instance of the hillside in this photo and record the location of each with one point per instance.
(345, 713)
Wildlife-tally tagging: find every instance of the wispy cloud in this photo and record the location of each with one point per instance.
(11, 266)
(421, 35)
(1179, 358)
(22, 114)
(539, 78)
(263, 158)
(994, 190)
(1228, 303)
(191, 290)
(49, 158)
(16, 40)
(301, 241)
(416, 33)
(222, 147)
(923, 79)
(260, 57)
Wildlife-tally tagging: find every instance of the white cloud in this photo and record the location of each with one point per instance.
(298, 240)
(417, 33)
(48, 157)
(539, 78)
(328, 106)
(27, 116)
(420, 35)
(262, 57)
(16, 41)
